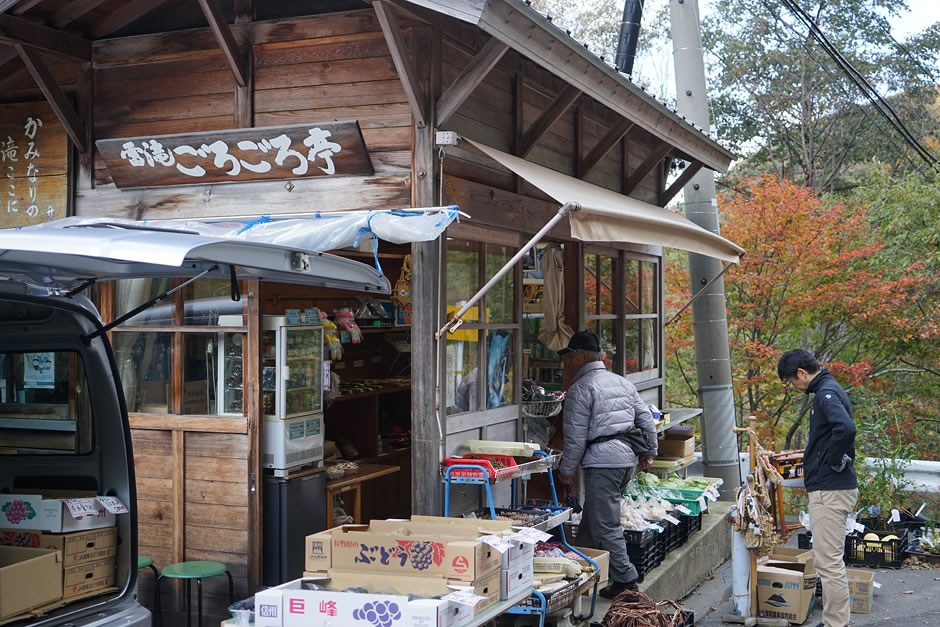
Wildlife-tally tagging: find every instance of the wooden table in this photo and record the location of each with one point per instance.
(353, 483)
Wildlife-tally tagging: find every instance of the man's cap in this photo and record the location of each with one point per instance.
(584, 341)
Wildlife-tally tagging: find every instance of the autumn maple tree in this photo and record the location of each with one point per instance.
(812, 277)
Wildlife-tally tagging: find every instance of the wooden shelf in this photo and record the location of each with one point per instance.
(388, 390)
(678, 416)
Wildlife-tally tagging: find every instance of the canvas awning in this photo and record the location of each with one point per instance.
(607, 216)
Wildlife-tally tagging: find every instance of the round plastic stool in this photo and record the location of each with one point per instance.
(143, 561)
(188, 571)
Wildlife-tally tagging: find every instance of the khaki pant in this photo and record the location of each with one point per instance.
(828, 510)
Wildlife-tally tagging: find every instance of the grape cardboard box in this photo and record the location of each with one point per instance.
(455, 555)
(387, 603)
(28, 578)
(58, 515)
(785, 590)
(517, 553)
(861, 589)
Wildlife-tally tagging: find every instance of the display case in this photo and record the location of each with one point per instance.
(291, 368)
(231, 376)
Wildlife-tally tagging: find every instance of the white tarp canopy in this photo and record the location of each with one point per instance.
(607, 216)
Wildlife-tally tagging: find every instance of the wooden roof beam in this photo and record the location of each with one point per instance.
(655, 157)
(14, 30)
(54, 95)
(608, 141)
(468, 80)
(130, 12)
(223, 35)
(73, 10)
(391, 29)
(22, 6)
(538, 128)
(686, 176)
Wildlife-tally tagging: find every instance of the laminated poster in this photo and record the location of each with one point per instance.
(39, 371)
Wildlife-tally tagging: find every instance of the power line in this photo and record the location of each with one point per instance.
(862, 83)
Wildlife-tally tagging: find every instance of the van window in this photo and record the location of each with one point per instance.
(44, 405)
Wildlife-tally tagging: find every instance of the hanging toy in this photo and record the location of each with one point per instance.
(331, 337)
(347, 321)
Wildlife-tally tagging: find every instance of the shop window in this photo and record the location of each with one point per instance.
(480, 356)
(169, 368)
(44, 404)
(599, 314)
(541, 364)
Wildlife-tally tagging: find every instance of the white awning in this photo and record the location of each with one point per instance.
(607, 216)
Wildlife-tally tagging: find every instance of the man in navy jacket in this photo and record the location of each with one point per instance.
(828, 474)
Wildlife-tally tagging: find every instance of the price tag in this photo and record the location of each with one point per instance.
(895, 516)
(671, 519)
(656, 527)
(500, 544)
(702, 503)
(531, 536)
(113, 504)
(920, 509)
(858, 527)
(682, 509)
(464, 597)
(81, 507)
(712, 492)
(876, 584)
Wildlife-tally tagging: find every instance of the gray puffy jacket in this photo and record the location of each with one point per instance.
(601, 403)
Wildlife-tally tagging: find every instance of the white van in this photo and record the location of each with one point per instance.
(63, 418)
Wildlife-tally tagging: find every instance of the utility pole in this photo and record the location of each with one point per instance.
(629, 35)
(709, 314)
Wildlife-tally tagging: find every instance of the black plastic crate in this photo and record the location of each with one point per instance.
(640, 539)
(804, 540)
(650, 559)
(876, 554)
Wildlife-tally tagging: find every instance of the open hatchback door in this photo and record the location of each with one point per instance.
(66, 463)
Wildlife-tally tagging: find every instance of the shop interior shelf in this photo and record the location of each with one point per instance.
(678, 416)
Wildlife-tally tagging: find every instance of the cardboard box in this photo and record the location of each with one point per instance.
(454, 557)
(87, 577)
(519, 553)
(785, 590)
(602, 558)
(58, 515)
(28, 578)
(289, 605)
(512, 581)
(861, 590)
(677, 444)
(20, 537)
(82, 546)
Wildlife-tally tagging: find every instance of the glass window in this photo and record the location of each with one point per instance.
(200, 373)
(631, 283)
(43, 404)
(650, 360)
(499, 364)
(208, 302)
(648, 287)
(463, 274)
(499, 299)
(631, 340)
(540, 363)
(144, 361)
(462, 379)
(131, 293)
(605, 333)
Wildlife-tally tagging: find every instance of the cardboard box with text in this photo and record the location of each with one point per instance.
(785, 590)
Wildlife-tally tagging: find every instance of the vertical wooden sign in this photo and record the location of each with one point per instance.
(33, 165)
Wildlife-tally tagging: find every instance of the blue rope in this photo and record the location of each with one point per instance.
(263, 219)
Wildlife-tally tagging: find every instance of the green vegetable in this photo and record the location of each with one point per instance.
(647, 479)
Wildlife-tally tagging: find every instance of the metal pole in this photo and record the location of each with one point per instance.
(456, 321)
(712, 353)
(629, 35)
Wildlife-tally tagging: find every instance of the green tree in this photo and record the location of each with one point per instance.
(779, 98)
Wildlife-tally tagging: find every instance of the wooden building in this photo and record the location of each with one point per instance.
(492, 71)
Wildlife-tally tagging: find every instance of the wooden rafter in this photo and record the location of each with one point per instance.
(130, 12)
(54, 95)
(532, 135)
(223, 35)
(468, 80)
(686, 176)
(655, 157)
(391, 29)
(73, 10)
(14, 30)
(23, 6)
(608, 141)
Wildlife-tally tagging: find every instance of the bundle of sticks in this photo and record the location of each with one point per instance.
(635, 609)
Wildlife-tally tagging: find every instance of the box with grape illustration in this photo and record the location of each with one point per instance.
(460, 557)
(298, 604)
(58, 515)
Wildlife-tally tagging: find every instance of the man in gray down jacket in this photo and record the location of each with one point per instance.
(600, 409)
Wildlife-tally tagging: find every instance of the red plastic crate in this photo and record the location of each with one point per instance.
(478, 460)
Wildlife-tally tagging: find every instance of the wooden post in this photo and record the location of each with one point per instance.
(426, 493)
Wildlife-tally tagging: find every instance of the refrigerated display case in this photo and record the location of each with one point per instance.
(292, 442)
(291, 368)
(231, 376)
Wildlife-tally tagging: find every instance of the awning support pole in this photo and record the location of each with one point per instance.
(454, 323)
(697, 294)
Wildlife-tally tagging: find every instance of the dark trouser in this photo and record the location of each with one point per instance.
(600, 521)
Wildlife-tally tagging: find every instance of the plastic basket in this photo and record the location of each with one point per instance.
(543, 408)
(483, 461)
(917, 550)
(877, 554)
(535, 517)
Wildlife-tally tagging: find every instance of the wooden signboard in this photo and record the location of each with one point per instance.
(34, 163)
(249, 154)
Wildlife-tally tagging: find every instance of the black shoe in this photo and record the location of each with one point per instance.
(615, 589)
